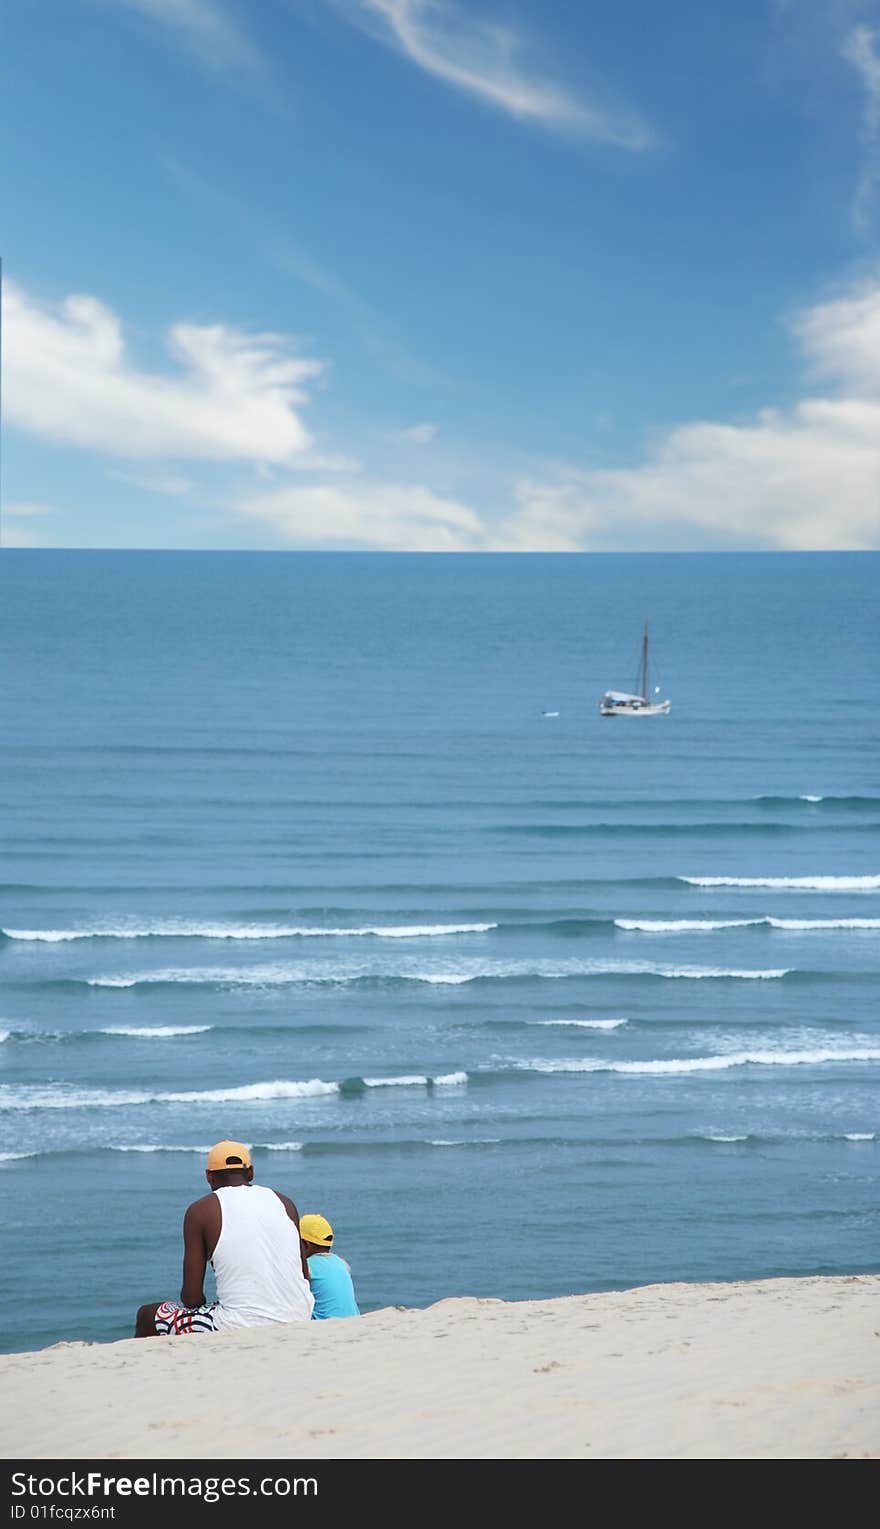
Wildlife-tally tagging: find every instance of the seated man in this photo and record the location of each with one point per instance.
(329, 1274)
(250, 1236)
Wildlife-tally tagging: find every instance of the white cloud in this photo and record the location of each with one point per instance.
(23, 536)
(804, 478)
(841, 339)
(205, 27)
(24, 508)
(860, 50)
(807, 478)
(16, 536)
(395, 516)
(234, 397)
(482, 59)
(155, 483)
(421, 434)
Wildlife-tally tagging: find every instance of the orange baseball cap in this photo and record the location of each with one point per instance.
(228, 1154)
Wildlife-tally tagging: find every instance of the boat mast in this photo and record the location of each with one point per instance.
(645, 662)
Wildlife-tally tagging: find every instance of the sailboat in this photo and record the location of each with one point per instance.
(619, 703)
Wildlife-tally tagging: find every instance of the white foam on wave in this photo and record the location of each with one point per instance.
(789, 883)
(450, 1080)
(279, 1088)
(808, 924)
(682, 925)
(171, 929)
(155, 1032)
(725, 1138)
(412, 1080)
(57, 1097)
(468, 971)
(4, 1036)
(451, 979)
(581, 1024)
(269, 1146)
(579, 968)
(61, 1097)
(471, 1141)
(115, 981)
(699, 925)
(860, 1136)
(697, 972)
(16, 1157)
(420, 931)
(705, 1064)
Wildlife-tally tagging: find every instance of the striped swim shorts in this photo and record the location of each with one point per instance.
(171, 1317)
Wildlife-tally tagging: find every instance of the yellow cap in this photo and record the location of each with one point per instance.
(228, 1154)
(316, 1229)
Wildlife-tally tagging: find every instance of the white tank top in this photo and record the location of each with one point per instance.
(257, 1261)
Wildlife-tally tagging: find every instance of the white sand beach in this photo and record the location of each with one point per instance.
(770, 1369)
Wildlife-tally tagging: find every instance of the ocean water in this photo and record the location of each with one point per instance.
(334, 854)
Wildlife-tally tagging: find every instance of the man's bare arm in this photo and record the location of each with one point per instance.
(195, 1257)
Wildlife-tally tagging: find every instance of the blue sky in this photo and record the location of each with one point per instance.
(410, 274)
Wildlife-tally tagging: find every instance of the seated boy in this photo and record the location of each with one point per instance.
(329, 1275)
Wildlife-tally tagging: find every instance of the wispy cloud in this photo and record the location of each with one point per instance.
(370, 515)
(155, 483)
(25, 509)
(23, 535)
(860, 50)
(233, 397)
(208, 29)
(422, 435)
(293, 260)
(490, 62)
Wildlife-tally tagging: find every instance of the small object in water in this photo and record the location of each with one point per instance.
(549, 713)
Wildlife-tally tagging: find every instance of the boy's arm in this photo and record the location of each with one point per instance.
(293, 1213)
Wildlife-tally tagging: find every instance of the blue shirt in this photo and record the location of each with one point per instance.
(330, 1279)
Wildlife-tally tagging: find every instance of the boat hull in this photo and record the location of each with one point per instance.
(656, 709)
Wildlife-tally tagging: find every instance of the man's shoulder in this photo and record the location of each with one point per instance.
(202, 1204)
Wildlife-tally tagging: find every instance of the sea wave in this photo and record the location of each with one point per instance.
(268, 1146)
(408, 1080)
(580, 1024)
(813, 799)
(716, 827)
(71, 1097)
(462, 1141)
(700, 925)
(789, 883)
(293, 1031)
(674, 1065)
(203, 931)
(154, 1032)
(696, 1140)
(465, 972)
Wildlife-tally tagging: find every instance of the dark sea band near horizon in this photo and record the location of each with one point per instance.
(333, 853)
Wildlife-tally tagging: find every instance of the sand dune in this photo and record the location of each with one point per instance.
(771, 1369)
